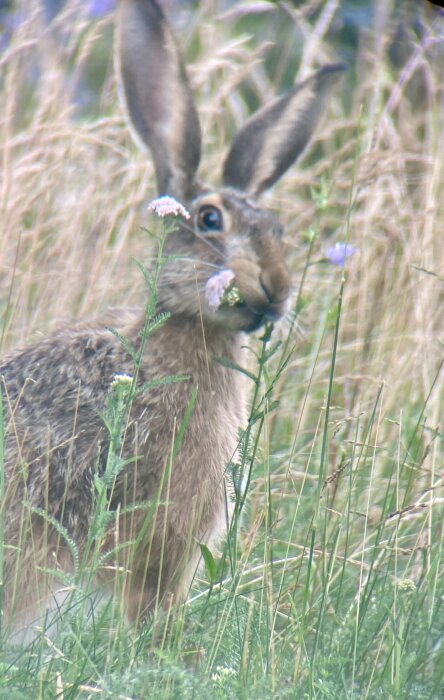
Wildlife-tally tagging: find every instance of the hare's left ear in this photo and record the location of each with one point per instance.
(156, 94)
(272, 139)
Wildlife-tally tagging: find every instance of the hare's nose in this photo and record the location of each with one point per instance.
(275, 282)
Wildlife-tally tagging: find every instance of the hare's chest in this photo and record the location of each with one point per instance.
(211, 436)
(205, 468)
(209, 441)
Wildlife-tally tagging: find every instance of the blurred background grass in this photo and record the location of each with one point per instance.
(337, 588)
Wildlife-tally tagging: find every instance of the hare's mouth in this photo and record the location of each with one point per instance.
(248, 318)
(272, 313)
(225, 298)
(255, 322)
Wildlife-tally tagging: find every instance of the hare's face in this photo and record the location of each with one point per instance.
(226, 237)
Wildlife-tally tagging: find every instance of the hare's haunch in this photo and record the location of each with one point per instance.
(55, 393)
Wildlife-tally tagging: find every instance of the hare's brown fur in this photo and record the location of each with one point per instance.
(55, 393)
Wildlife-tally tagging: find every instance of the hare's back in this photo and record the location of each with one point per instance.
(55, 395)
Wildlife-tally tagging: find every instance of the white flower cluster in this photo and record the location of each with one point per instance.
(121, 380)
(223, 673)
(166, 206)
(406, 585)
(216, 287)
(121, 385)
(222, 289)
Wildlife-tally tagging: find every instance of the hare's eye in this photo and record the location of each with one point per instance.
(209, 218)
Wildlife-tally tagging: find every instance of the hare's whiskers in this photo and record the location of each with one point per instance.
(199, 261)
(205, 240)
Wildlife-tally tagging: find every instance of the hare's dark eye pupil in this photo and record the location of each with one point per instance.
(209, 218)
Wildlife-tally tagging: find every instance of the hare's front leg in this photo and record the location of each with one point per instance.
(144, 593)
(161, 570)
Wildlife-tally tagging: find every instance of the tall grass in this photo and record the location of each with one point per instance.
(332, 585)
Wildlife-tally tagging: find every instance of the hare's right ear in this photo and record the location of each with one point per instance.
(156, 94)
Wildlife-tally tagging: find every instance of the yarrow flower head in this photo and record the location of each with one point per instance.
(220, 289)
(222, 675)
(338, 253)
(122, 384)
(166, 206)
(122, 380)
(406, 585)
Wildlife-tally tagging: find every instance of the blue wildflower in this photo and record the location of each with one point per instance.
(338, 253)
(98, 8)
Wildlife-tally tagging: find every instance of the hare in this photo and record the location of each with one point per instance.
(55, 392)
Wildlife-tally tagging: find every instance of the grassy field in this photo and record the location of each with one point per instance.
(333, 585)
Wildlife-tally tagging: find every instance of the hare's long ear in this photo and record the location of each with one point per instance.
(272, 139)
(156, 94)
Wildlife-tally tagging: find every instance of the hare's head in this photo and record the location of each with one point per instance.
(229, 264)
